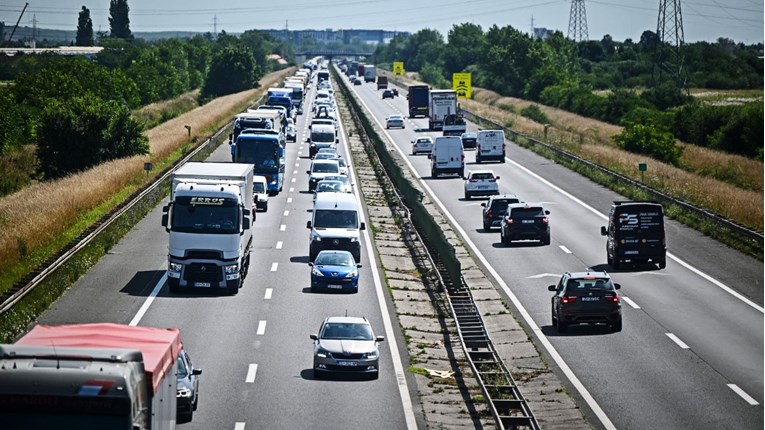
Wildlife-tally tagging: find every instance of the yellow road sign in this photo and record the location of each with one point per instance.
(461, 84)
(398, 68)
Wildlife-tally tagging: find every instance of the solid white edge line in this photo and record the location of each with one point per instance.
(398, 366)
(630, 302)
(749, 399)
(269, 293)
(564, 249)
(149, 300)
(261, 328)
(677, 340)
(274, 266)
(279, 244)
(597, 410)
(252, 371)
(239, 426)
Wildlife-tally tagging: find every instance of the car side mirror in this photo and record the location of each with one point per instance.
(551, 288)
(363, 226)
(547, 212)
(603, 231)
(308, 224)
(497, 178)
(412, 141)
(196, 372)
(483, 204)
(310, 264)
(358, 265)
(337, 140)
(314, 337)
(618, 286)
(379, 338)
(308, 172)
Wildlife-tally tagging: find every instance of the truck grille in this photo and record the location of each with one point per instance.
(204, 255)
(198, 272)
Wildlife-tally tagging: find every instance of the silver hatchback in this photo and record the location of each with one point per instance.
(346, 345)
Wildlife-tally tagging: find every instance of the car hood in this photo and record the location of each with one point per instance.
(185, 383)
(348, 346)
(342, 233)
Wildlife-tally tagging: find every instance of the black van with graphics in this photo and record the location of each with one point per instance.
(635, 234)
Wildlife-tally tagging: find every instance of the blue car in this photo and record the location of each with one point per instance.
(334, 270)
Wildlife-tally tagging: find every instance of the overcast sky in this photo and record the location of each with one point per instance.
(740, 20)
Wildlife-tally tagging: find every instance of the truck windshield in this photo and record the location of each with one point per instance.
(324, 218)
(263, 155)
(208, 216)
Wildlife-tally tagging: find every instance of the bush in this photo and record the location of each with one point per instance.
(649, 140)
(534, 113)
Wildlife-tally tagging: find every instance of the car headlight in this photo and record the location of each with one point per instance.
(174, 267)
(323, 353)
(316, 272)
(184, 392)
(234, 268)
(351, 274)
(354, 239)
(315, 237)
(372, 355)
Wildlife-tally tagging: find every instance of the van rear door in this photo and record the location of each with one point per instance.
(639, 230)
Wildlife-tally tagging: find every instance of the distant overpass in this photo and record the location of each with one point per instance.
(332, 53)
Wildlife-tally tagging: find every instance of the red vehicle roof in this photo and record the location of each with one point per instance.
(160, 347)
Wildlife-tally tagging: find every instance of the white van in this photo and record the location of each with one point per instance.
(321, 136)
(447, 157)
(260, 183)
(335, 224)
(490, 146)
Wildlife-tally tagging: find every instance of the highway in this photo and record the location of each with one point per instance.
(254, 348)
(691, 352)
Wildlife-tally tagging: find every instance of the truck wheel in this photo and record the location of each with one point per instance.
(478, 159)
(663, 262)
(265, 207)
(433, 173)
(175, 286)
(505, 240)
(609, 260)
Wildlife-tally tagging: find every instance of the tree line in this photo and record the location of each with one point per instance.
(559, 72)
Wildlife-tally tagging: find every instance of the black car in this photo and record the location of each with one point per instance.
(525, 221)
(388, 94)
(495, 208)
(635, 233)
(357, 81)
(586, 298)
(188, 387)
(469, 140)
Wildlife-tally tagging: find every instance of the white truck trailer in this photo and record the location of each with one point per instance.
(370, 73)
(441, 104)
(90, 376)
(209, 218)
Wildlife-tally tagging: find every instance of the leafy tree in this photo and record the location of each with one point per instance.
(507, 60)
(463, 48)
(84, 131)
(119, 22)
(648, 140)
(534, 113)
(12, 123)
(84, 29)
(232, 69)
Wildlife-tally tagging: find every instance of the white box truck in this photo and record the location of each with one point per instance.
(90, 376)
(370, 73)
(440, 104)
(209, 219)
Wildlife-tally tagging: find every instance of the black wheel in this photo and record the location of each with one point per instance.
(505, 240)
(502, 160)
(318, 374)
(609, 260)
(663, 263)
(546, 240)
(196, 403)
(467, 196)
(486, 227)
(312, 255)
(233, 291)
(433, 173)
(616, 264)
(265, 207)
(554, 320)
(561, 326)
(373, 376)
(478, 159)
(616, 326)
(356, 256)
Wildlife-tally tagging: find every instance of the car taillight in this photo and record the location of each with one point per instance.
(610, 298)
(509, 220)
(568, 299)
(545, 220)
(503, 147)
(490, 213)
(463, 158)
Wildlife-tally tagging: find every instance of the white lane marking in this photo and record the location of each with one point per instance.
(564, 249)
(239, 426)
(736, 389)
(543, 275)
(282, 227)
(677, 340)
(269, 292)
(149, 300)
(251, 372)
(398, 367)
(294, 172)
(292, 189)
(294, 179)
(297, 164)
(274, 266)
(261, 328)
(289, 199)
(501, 282)
(630, 302)
(286, 213)
(279, 244)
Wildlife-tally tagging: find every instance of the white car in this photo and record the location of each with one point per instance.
(422, 144)
(481, 183)
(394, 121)
(260, 183)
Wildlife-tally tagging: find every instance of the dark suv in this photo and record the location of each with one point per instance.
(524, 221)
(495, 208)
(635, 234)
(586, 298)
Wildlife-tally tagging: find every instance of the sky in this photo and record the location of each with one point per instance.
(739, 20)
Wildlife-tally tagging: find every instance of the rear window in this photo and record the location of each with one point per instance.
(589, 284)
(501, 204)
(482, 176)
(527, 213)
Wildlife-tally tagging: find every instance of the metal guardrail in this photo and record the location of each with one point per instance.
(20, 289)
(507, 404)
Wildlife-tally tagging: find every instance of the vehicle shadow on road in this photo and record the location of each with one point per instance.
(529, 244)
(578, 330)
(308, 375)
(142, 283)
(300, 259)
(625, 268)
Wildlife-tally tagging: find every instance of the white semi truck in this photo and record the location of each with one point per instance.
(443, 111)
(90, 376)
(209, 218)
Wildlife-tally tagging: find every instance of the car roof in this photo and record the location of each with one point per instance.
(482, 171)
(332, 201)
(341, 319)
(524, 204)
(469, 135)
(324, 161)
(583, 275)
(504, 196)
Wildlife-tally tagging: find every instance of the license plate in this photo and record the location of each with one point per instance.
(482, 187)
(527, 221)
(336, 287)
(347, 363)
(202, 284)
(590, 299)
(631, 252)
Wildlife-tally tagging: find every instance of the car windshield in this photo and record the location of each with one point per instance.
(182, 372)
(325, 168)
(260, 188)
(469, 136)
(347, 331)
(324, 218)
(263, 155)
(527, 213)
(588, 284)
(333, 259)
(329, 186)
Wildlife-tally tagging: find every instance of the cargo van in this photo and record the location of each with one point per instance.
(321, 136)
(635, 234)
(490, 145)
(447, 157)
(335, 224)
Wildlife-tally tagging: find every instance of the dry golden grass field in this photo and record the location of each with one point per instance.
(35, 215)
